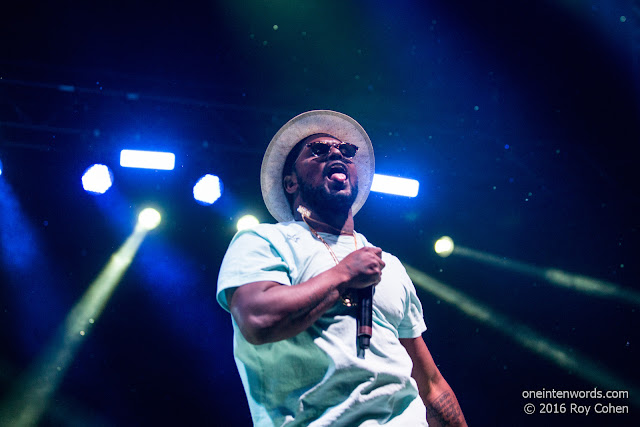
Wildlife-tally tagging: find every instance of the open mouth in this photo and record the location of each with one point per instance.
(337, 172)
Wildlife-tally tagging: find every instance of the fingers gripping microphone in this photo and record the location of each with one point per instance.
(365, 313)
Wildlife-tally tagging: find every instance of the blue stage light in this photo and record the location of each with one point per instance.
(0, 167)
(394, 185)
(97, 179)
(147, 159)
(208, 189)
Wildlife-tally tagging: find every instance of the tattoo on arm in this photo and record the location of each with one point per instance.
(445, 409)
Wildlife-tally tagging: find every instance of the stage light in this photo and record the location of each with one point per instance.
(147, 159)
(208, 189)
(246, 222)
(444, 246)
(149, 219)
(0, 167)
(97, 179)
(394, 185)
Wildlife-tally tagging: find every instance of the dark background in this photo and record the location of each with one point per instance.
(520, 119)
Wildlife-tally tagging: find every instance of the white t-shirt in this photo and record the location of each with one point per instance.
(316, 378)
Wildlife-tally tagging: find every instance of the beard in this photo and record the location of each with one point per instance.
(322, 200)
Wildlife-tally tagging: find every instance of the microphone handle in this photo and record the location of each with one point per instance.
(364, 323)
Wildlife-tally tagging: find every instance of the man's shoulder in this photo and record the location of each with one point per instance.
(280, 227)
(271, 232)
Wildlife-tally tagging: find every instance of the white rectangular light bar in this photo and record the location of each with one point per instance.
(394, 185)
(147, 159)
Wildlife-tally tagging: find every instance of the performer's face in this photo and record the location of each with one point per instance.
(326, 178)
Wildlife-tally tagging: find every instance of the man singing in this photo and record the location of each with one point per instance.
(295, 290)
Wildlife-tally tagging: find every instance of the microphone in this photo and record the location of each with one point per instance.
(363, 320)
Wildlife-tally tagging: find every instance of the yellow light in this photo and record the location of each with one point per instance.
(444, 246)
(246, 222)
(149, 218)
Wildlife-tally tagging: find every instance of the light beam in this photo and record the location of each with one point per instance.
(31, 394)
(557, 277)
(523, 335)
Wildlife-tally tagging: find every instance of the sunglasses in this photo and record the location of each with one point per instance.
(322, 148)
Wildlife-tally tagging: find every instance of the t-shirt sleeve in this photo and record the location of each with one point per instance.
(412, 324)
(250, 258)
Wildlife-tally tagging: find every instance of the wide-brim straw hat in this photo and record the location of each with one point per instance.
(333, 123)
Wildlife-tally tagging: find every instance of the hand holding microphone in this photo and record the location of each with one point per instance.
(366, 266)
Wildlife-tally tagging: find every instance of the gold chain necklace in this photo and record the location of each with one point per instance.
(347, 298)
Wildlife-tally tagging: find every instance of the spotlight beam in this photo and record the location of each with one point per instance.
(556, 277)
(524, 336)
(29, 398)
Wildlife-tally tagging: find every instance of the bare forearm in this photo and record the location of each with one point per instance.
(282, 312)
(298, 307)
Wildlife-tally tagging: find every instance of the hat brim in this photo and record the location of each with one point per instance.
(333, 123)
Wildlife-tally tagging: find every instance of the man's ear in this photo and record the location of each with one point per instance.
(291, 183)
